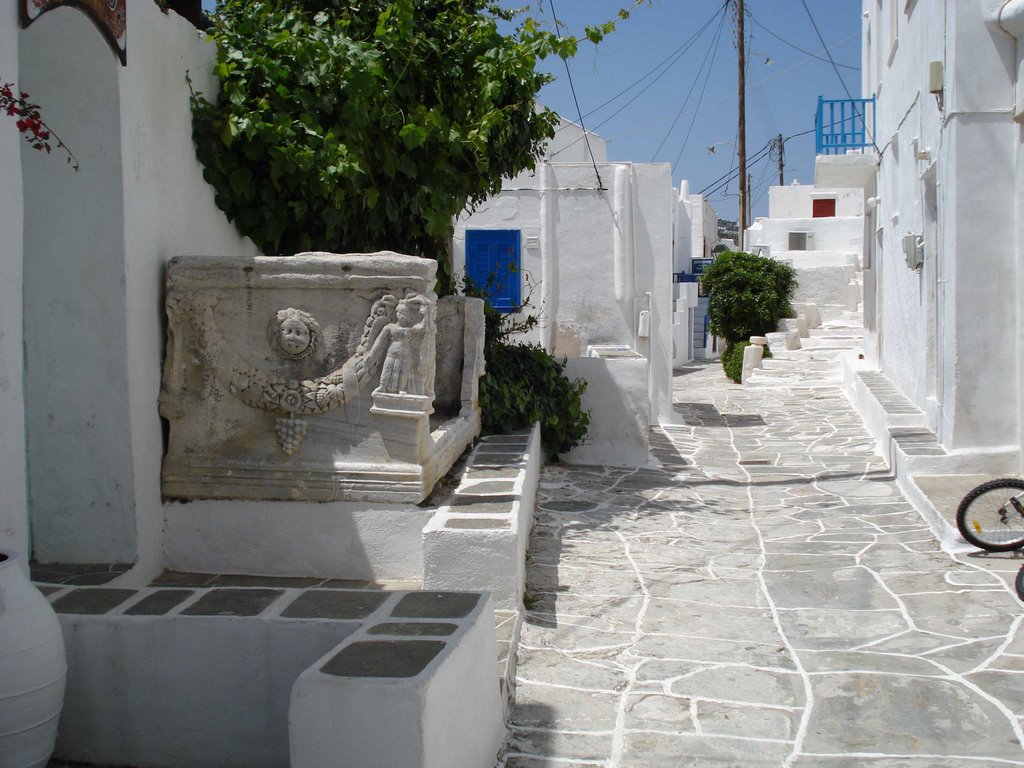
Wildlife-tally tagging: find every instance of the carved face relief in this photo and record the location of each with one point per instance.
(294, 334)
(293, 337)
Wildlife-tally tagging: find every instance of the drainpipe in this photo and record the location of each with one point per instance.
(623, 254)
(548, 289)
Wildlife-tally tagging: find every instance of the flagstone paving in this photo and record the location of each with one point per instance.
(762, 595)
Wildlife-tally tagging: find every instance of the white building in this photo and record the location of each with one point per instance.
(820, 231)
(696, 236)
(588, 244)
(943, 271)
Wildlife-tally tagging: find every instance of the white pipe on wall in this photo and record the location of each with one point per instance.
(623, 212)
(547, 255)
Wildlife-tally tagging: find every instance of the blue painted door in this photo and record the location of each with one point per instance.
(492, 266)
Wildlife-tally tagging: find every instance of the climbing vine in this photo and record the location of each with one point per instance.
(355, 125)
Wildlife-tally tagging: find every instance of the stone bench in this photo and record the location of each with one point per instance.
(181, 674)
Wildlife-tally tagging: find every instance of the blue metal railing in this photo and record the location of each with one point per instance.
(685, 277)
(844, 124)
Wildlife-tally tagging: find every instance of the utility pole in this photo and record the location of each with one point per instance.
(741, 133)
(779, 150)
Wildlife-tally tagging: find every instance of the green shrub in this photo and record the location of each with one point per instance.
(524, 384)
(749, 295)
(732, 360)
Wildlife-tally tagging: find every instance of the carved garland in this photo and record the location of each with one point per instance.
(295, 334)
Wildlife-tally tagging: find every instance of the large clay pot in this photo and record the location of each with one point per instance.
(32, 670)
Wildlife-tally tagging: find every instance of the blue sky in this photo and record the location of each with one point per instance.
(687, 46)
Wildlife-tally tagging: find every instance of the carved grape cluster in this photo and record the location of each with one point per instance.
(290, 434)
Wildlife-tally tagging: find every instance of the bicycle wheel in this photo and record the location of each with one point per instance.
(1019, 583)
(991, 516)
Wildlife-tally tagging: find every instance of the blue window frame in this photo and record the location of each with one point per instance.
(492, 266)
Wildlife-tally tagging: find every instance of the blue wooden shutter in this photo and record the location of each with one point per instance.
(492, 265)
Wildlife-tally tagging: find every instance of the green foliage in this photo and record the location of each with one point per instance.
(749, 295)
(732, 360)
(357, 125)
(524, 384)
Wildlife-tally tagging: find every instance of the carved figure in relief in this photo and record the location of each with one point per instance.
(399, 346)
(390, 348)
(294, 334)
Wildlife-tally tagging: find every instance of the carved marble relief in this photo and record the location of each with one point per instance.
(247, 337)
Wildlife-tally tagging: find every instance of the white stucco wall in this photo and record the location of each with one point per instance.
(682, 231)
(696, 229)
(795, 201)
(842, 235)
(617, 399)
(705, 227)
(169, 210)
(948, 333)
(80, 466)
(94, 314)
(13, 511)
(568, 257)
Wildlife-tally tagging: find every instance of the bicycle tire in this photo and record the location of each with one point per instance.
(1018, 583)
(987, 519)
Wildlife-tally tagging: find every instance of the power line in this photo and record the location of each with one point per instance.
(834, 67)
(700, 97)
(586, 136)
(827, 52)
(796, 47)
(671, 60)
(756, 157)
(689, 44)
(709, 60)
(723, 181)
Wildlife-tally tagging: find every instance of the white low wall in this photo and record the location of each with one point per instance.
(345, 540)
(618, 398)
(832, 288)
(478, 542)
(186, 691)
(449, 715)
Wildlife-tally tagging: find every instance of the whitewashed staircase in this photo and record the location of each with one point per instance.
(818, 359)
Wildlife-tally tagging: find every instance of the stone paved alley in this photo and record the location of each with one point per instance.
(764, 598)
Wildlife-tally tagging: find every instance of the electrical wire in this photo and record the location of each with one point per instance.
(700, 100)
(796, 47)
(836, 68)
(709, 61)
(688, 45)
(671, 60)
(586, 135)
(761, 154)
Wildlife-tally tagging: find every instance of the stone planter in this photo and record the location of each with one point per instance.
(32, 670)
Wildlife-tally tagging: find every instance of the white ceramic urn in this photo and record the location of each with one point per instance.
(32, 670)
